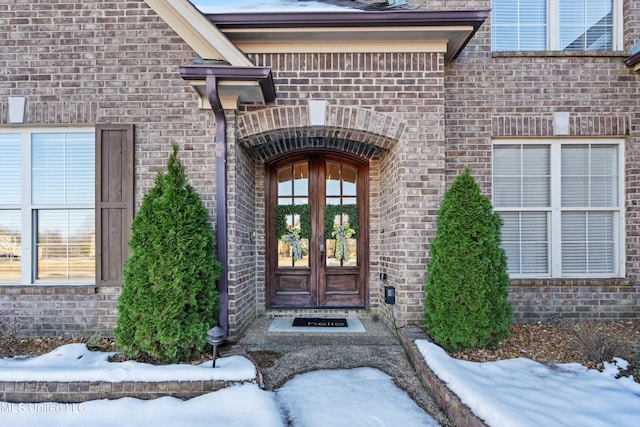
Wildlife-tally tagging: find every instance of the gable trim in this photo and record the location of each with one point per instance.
(205, 39)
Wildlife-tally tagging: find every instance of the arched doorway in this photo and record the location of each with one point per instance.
(317, 231)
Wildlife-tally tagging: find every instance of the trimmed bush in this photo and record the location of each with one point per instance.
(169, 299)
(466, 286)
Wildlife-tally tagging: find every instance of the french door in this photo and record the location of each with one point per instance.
(317, 232)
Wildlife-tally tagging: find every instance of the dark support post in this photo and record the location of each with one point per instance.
(221, 198)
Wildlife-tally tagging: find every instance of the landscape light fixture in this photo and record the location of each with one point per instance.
(215, 337)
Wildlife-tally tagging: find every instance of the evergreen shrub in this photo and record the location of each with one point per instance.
(169, 299)
(466, 287)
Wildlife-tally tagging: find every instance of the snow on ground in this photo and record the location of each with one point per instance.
(521, 392)
(356, 397)
(514, 393)
(73, 362)
(245, 405)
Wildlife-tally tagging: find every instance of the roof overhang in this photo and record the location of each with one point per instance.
(633, 61)
(359, 31)
(244, 85)
(227, 39)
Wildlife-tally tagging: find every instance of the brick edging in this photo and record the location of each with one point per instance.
(458, 412)
(82, 391)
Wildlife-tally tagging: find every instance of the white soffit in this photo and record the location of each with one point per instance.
(203, 37)
(230, 91)
(351, 39)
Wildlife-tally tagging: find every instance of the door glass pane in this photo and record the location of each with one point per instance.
(292, 248)
(341, 189)
(333, 179)
(293, 190)
(301, 180)
(348, 181)
(285, 182)
(65, 244)
(10, 245)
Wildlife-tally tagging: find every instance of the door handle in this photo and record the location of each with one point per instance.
(321, 249)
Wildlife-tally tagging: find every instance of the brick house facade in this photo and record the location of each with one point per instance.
(411, 115)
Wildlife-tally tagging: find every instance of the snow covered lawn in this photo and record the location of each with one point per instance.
(516, 392)
(521, 392)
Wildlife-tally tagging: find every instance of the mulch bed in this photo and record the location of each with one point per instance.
(587, 343)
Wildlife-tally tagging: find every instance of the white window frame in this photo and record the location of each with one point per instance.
(554, 212)
(27, 208)
(553, 27)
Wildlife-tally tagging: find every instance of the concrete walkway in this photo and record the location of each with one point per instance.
(281, 355)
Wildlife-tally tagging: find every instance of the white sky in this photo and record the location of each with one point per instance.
(239, 6)
(515, 393)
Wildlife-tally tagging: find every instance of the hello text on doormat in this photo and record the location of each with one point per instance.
(320, 322)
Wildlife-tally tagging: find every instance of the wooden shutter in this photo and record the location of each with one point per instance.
(114, 200)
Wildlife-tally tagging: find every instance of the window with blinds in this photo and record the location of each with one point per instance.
(522, 191)
(538, 25)
(590, 208)
(10, 201)
(519, 24)
(560, 203)
(47, 198)
(62, 192)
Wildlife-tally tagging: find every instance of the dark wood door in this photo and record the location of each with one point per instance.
(317, 232)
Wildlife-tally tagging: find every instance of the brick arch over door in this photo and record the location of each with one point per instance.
(365, 133)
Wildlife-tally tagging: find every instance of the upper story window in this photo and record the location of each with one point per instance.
(544, 25)
(47, 232)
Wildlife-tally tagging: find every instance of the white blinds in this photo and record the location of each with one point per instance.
(10, 182)
(523, 25)
(10, 155)
(519, 24)
(577, 199)
(62, 168)
(525, 240)
(63, 189)
(589, 176)
(589, 186)
(522, 180)
(588, 242)
(521, 176)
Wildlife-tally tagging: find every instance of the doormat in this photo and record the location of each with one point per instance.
(339, 326)
(320, 322)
